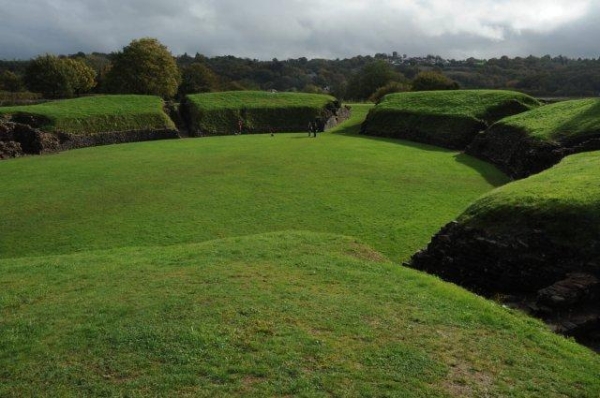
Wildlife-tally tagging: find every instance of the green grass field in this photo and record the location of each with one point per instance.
(283, 314)
(218, 113)
(445, 118)
(255, 266)
(98, 114)
(393, 195)
(558, 122)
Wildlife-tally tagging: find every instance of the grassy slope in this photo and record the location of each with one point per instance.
(558, 122)
(445, 118)
(99, 114)
(460, 103)
(218, 113)
(286, 314)
(564, 200)
(392, 195)
(258, 100)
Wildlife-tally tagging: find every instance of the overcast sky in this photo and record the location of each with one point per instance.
(282, 29)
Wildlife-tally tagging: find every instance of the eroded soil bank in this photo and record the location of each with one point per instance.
(19, 139)
(529, 269)
(518, 155)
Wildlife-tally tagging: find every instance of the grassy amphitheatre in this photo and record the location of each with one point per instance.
(532, 141)
(95, 114)
(448, 119)
(259, 111)
(256, 266)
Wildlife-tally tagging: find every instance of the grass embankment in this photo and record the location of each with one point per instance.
(532, 141)
(103, 113)
(285, 314)
(218, 113)
(559, 122)
(563, 201)
(444, 118)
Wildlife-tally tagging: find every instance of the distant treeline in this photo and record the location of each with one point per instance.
(346, 78)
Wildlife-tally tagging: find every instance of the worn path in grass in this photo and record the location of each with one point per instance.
(394, 195)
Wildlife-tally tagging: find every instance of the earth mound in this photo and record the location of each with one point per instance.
(449, 119)
(530, 142)
(534, 243)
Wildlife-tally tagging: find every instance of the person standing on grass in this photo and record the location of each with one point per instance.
(240, 126)
(310, 128)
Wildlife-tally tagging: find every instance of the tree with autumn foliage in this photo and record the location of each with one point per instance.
(145, 66)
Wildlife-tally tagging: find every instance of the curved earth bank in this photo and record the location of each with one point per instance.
(19, 139)
(519, 156)
(528, 270)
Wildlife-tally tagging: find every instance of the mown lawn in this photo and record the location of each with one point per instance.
(98, 114)
(284, 314)
(391, 194)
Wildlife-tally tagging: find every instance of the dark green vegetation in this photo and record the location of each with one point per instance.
(55, 77)
(96, 114)
(533, 141)
(445, 118)
(145, 66)
(546, 76)
(285, 314)
(259, 111)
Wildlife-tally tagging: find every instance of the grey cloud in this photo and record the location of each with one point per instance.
(266, 29)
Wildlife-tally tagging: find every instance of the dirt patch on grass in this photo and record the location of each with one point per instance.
(463, 381)
(365, 253)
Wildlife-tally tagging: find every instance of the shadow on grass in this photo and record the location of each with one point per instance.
(586, 121)
(487, 170)
(351, 132)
